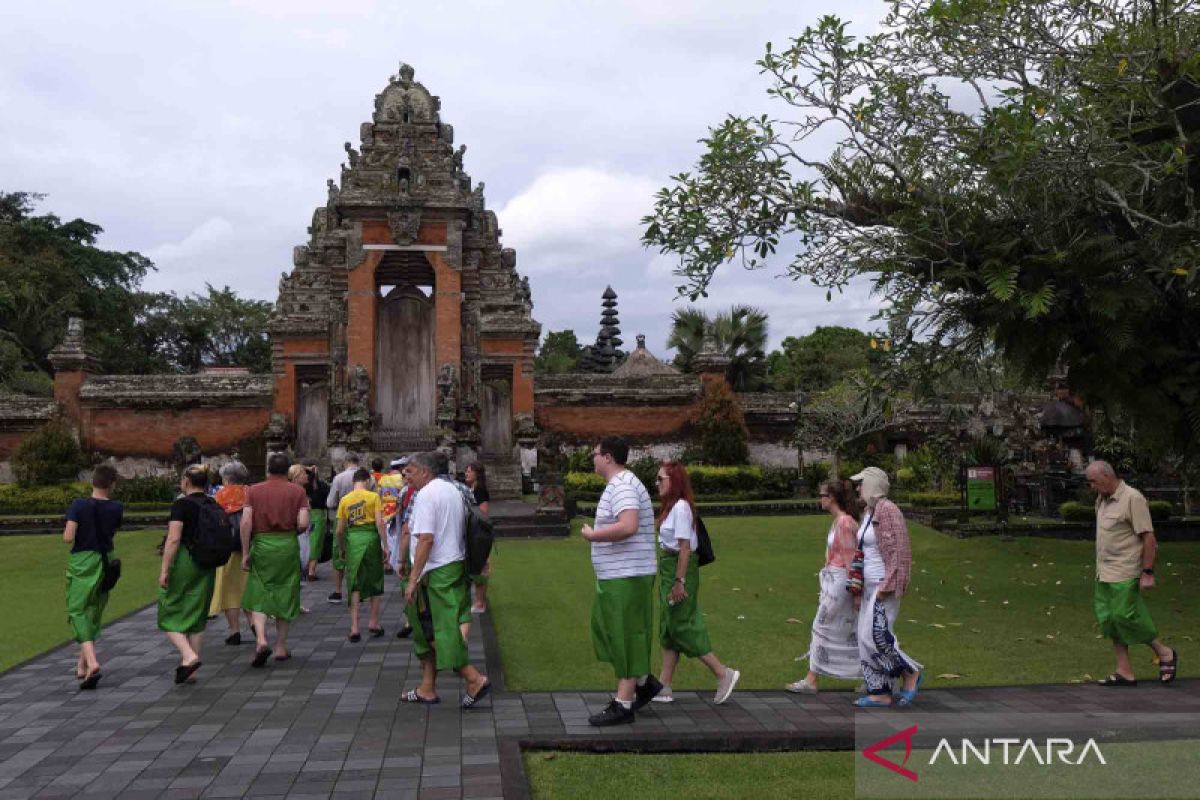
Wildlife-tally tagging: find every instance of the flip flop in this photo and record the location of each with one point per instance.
(90, 680)
(469, 700)
(283, 657)
(1167, 669)
(260, 657)
(906, 696)
(866, 702)
(356, 637)
(411, 696)
(375, 632)
(185, 671)
(1117, 680)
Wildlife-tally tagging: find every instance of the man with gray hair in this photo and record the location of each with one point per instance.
(1125, 551)
(341, 485)
(437, 592)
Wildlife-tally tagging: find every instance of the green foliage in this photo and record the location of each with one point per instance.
(1160, 510)
(720, 426)
(49, 455)
(580, 460)
(933, 466)
(814, 474)
(928, 499)
(987, 450)
(30, 382)
(53, 499)
(740, 334)
(146, 489)
(1049, 216)
(819, 360)
(745, 482)
(1073, 511)
(51, 270)
(560, 352)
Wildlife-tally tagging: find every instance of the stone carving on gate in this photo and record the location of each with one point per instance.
(405, 225)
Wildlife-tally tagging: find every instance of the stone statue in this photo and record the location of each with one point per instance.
(333, 190)
(526, 292)
(447, 383)
(457, 159)
(362, 387)
(351, 155)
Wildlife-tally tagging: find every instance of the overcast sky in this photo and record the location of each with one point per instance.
(202, 134)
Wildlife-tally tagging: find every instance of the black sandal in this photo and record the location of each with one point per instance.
(90, 681)
(375, 632)
(356, 637)
(260, 657)
(185, 671)
(1167, 669)
(1117, 680)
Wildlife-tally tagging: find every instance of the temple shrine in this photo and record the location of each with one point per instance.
(404, 325)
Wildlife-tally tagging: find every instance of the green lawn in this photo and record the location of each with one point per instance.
(33, 590)
(986, 610)
(710, 775)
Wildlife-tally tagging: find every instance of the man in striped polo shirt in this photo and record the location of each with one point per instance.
(626, 561)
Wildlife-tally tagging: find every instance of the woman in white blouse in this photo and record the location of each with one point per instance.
(681, 627)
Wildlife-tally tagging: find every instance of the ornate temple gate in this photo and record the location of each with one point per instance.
(404, 324)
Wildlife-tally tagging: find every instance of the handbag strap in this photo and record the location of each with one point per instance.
(870, 519)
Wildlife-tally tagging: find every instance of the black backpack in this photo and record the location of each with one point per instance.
(479, 536)
(704, 551)
(211, 540)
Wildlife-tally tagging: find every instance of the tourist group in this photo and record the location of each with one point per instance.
(237, 549)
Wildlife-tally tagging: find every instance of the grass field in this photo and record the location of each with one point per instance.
(985, 611)
(33, 590)
(696, 777)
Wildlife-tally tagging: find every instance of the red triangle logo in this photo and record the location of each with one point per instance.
(872, 753)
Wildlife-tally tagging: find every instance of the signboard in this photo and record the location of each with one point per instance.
(981, 488)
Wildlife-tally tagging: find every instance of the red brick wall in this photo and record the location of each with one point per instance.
(152, 432)
(522, 384)
(632, 421)
(447, 309)
(285, 384)
(9, 442)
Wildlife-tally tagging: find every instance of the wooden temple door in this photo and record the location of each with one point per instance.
(312, 412)
(497, 417)
(405, 379)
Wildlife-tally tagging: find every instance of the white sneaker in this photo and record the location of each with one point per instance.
(663, 696)
(726, 684)
(801, 687)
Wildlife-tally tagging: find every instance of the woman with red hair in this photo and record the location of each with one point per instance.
(681, 628)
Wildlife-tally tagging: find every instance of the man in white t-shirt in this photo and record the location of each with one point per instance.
(626, 561)
(437, 583)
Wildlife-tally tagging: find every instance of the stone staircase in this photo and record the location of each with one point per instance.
(515, 519)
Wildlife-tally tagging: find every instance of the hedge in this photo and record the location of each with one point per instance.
(928, 499)
(1072, 511)
(745, 482)
(143, 492)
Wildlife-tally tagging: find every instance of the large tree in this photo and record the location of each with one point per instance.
(739, 333)
(560, 352)
(1018, 174)
(820, 359)
(51, 270)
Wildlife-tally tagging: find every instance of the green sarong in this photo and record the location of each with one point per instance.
(273, 586)
(85, 601)
(364, 562)
(445, 591)
(316, 534)
(623, 624)
(183, 605)
(681, 627)
(1122, 613)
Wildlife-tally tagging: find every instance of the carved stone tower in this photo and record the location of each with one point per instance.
(404, 325)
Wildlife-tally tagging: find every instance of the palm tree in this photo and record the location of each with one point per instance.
(740, 333)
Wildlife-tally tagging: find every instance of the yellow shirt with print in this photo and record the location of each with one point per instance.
(358, 508)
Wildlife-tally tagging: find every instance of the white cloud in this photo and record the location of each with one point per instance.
(199, 242)
(577, 217)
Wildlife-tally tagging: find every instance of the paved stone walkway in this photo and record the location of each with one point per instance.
(330, 722)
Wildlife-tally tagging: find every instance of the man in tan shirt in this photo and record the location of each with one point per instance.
(1125, 551)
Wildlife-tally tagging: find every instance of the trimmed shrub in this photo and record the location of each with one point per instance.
(721, 425)
(747, 483)
(50, 455)
(1072, 511)
(930, 499)
(1160, 510)
(813, 475)
(579, 460)
(146, 489)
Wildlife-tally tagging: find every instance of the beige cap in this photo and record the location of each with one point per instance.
(872, 472)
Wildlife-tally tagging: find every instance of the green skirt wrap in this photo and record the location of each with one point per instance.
(183, 605)
(85, 601)
(623, 624)
(273, 586)
(364, 562)
(316, 534)
(681, 627)
(445, 591)
(1122, 613)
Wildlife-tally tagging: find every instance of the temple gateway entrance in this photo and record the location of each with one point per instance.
(405, 387)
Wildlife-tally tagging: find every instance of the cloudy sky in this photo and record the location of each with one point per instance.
(201, 134)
